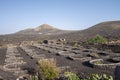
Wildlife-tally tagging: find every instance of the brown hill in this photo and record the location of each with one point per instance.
(110, 30)
(44, 29)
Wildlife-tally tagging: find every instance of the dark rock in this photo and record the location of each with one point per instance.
(45, 41)
(115, 48)
(1, 78)
(117, 73)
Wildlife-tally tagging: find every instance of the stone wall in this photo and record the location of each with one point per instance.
(103, 66)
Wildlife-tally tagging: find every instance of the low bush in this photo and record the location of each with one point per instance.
(98, 62)
(97, 39)
(76, 44)
(71, 76)
(64, 42)
(100, 77)
(40, 42)
(95, 55)
(49, 69)
(35, 77)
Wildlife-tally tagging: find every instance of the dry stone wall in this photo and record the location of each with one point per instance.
(13, 61)
(103, 66)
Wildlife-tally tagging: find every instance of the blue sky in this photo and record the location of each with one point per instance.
(16, 15)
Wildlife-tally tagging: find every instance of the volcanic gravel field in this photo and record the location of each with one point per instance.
(31, 54)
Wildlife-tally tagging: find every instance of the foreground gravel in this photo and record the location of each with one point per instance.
(83, 69)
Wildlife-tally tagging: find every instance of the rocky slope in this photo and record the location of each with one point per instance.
(110, 30)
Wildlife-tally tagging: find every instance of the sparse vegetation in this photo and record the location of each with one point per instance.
(49, 69)
(98, 62)
(71, 76)
(94, 55)
(97, 39)
(40, 42)
(35, 77)
(64, 42)
(76, 44)
(100, 77)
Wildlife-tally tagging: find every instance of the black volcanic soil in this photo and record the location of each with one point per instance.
(83, 69)
(5, 75)
(31, 63)
(2, 55)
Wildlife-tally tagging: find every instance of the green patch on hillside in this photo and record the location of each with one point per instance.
(97, 39)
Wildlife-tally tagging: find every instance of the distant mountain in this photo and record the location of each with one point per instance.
(109, 29)
(44, 29)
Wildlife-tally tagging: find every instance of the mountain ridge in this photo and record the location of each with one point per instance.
(109, 30)
(42, 29)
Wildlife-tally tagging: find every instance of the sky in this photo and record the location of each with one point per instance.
(17, 15)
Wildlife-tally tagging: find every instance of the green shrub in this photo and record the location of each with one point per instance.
(40, 42)
(97, 39)
(48, 69)
(35, 77)
(98, 62)
(71, 76)
(95, 55)
(100, 77)
(76, 44)
(64, 42)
